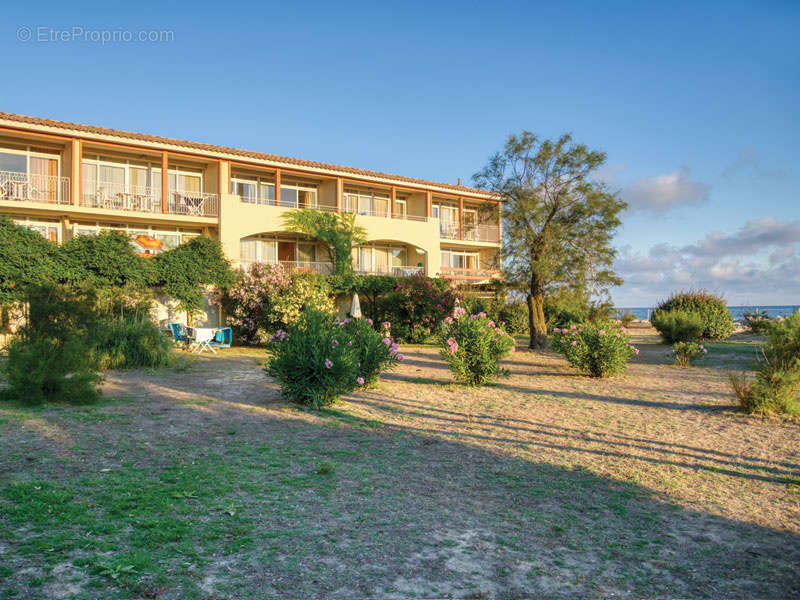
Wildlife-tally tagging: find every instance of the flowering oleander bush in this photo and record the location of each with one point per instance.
(375, 351)
(688, 352)
(473, 347)
(318, 358)
(312, 360)
(415, 306)
(599, 349)
(266, 298)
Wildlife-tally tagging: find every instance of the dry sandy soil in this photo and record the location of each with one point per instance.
(206, 484)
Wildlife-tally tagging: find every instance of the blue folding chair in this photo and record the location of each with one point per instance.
(179, 332)
(222, 338)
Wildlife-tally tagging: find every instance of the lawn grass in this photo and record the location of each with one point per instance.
(205, 484)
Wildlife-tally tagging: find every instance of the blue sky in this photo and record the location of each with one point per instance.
(695, 104)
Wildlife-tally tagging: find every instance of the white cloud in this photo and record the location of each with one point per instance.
(758, 263)
(661, 193)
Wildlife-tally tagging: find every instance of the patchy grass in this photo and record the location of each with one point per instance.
(204, 484)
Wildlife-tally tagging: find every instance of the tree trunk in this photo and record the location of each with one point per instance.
(537, 326)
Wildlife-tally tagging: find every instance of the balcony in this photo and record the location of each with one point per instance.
(394, 271)
(265, 201)
(31, 187)
(120, 196)
(472, 233)
(466, 275)
(294, 266)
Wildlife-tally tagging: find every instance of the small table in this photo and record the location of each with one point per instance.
(202, 337)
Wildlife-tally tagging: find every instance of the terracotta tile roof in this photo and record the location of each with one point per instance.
(155, 139)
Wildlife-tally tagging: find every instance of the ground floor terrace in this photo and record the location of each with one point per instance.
(201, 482)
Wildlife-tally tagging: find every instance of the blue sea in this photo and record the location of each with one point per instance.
(643, 313)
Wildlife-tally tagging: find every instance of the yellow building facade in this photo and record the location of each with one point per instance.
(66, 179)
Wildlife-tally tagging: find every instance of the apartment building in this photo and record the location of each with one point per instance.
(64, 179)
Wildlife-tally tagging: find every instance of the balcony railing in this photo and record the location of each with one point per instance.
(395, 271)
(31, 187)
(472, 233)
(198, 204)
(467, 275)
(367, 213)
(120, 196)
(294, 266)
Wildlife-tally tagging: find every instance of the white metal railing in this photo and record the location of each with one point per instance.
(32, 187)
(470, 275)
(396, 271)
(199, 204)
(473, 233)
(370, 213)
(382, 213)
(294, 266)
(119, 196)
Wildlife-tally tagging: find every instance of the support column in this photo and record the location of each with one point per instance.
(499, 224)
(394, 200)
(461, 218)
(277, 187)
(429, 205)
(338, 194)
(64, 229)
(164, 182)
(224, 177)
(76, 185)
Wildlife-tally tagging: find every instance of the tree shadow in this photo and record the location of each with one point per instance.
(410, 513)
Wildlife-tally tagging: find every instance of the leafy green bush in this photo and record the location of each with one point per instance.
(473, 347)
(415, 306)
(563, 310)
(104, 260)
(50, 358)
(132, 341)
(316, 359)
(686, 353)
(777, 381)
(756, 321)
(716, 318)
(598, 349)
(678, 325)
(513, 317)
(627, 318)
(27, 259)
(375, 352)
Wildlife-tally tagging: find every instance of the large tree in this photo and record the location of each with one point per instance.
(558, 222)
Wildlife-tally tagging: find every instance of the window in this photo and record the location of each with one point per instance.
(298, 195)
(253, 190)
(108, 182)
(34, 175)
(16, 163)
(366, 203)
(400, 209)
(47, 229)
(258, 250)
(169, 238)
(378, 259)
(459, 260)
(306, 253)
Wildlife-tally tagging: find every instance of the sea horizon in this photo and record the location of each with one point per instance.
(737, 311)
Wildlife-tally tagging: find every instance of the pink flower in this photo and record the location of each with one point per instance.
(448, 320)
(556, 330)
(451, 341)
(328, 363)
(400, 357)
(386, 325)
(360, 380)
(334, 343)
(387, 341)
(574, 342)
(572, 326)
(350, 343)
(601, 332)
(636, 351)
(704, 351)
(369, 321)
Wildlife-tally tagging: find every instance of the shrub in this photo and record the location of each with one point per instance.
(132, 341)
(756, 321)
(688, 352)
(563, 310)
(678, 325)
(775, 386)
(312, 360)
(514, 317)
(716, 318)
(266, 298)
(375, 352)
(415, 306)
(627, 318)
(598, 349)
(50, 358)
(473, 347)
